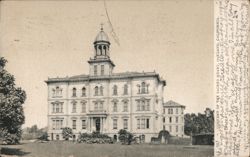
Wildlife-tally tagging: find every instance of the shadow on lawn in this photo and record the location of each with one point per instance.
(12, 151)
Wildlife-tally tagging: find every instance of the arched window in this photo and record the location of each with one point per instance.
(125, 89)
(125, 107)
(105, 50)
(83, 91)
(96, 90)
(143, 87)
(74, 92)
(101, 90)
(73, 106)
(100, 49)
(115, 107)
(139, 89)
(115, 90)
(57, 91)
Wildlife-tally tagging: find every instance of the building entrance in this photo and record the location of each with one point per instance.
(97, 124)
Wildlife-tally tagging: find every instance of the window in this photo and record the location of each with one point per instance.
(125, 106)
(163, 119)
(170, 128)
(57, 92)
(138, 123)
(176, 129)
(95, 69)
(57, 124)
(138, 105)
(73, 124)
(176, 119)
(125, 123)
(115, 107)
(101, 90)
(143, 87)
(74, 92)
(96, 106)
(101, 106)
(83, 107)
(147, 123)
(74, 107)
(125, 92)
(83, 91)
(163, 110)
(170, 119)
(176, 110)
(148, 105)
(57, 107)
(170, 111)
(96, 91)
(143, 105)
(84, 124)
(139, 89)
(114, 123)
(143, 123)
(182, 110)
(115, 90)
(102, 69)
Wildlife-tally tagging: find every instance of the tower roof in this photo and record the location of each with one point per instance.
(101, 36)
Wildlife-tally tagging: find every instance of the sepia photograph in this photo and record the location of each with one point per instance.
(106, 78)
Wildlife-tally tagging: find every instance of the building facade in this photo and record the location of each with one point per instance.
(173, 118)
(105, 101)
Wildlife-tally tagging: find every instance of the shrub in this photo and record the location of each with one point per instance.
(95, 137)
(125, 137)
(67, 133)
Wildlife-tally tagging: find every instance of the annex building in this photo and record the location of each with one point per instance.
(105, 101)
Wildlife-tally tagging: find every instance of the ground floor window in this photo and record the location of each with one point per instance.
(125, 123)
(57, 137)
(114, 123)
(73, 124)
(84, 124)
(143, 123)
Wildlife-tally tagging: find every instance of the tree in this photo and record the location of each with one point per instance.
(125, 137)
(11, 110)
(67, 133)
(200, 123)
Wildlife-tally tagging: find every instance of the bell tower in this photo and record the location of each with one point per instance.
(101, 65)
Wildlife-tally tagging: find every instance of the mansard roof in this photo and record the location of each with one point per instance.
(172, 103)
(123, 75)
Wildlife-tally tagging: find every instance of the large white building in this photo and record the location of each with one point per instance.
(105, 101)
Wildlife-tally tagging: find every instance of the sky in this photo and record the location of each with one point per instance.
(42, 39)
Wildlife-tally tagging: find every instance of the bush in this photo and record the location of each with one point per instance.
(44, 137)
(125, 137)
(67, 133)
(95, 137)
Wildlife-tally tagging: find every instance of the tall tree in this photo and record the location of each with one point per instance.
(11, 109)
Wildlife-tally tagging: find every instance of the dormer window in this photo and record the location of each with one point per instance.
(74, 92)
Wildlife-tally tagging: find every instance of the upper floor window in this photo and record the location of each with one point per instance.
(73, 106)
(115, 107)
(83, 107)
(57, 107)
(176, 120)
(57, 92)
(101, 90)
(125, 106)
(125, 92)
(96, 106)
(170, 111)
(143, 88)
(74, 92)
(143, 105)
(176, 110)
(96, 91)
(83, 91)
(170, 119)
(95, 69)
(115, 90)
(102, 69)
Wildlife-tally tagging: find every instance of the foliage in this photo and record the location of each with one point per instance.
(11, 109)
(33, 132)
(125, 137)
(67, 133)
(44, 137)
(199, 124)
(95, 137)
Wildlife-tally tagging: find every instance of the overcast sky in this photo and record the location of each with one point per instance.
(54, 38)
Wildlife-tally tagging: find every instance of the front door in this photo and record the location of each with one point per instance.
(97, 124)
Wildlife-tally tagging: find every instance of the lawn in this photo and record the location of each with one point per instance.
(69, 149)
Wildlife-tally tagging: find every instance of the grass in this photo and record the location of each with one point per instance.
(69, 149)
